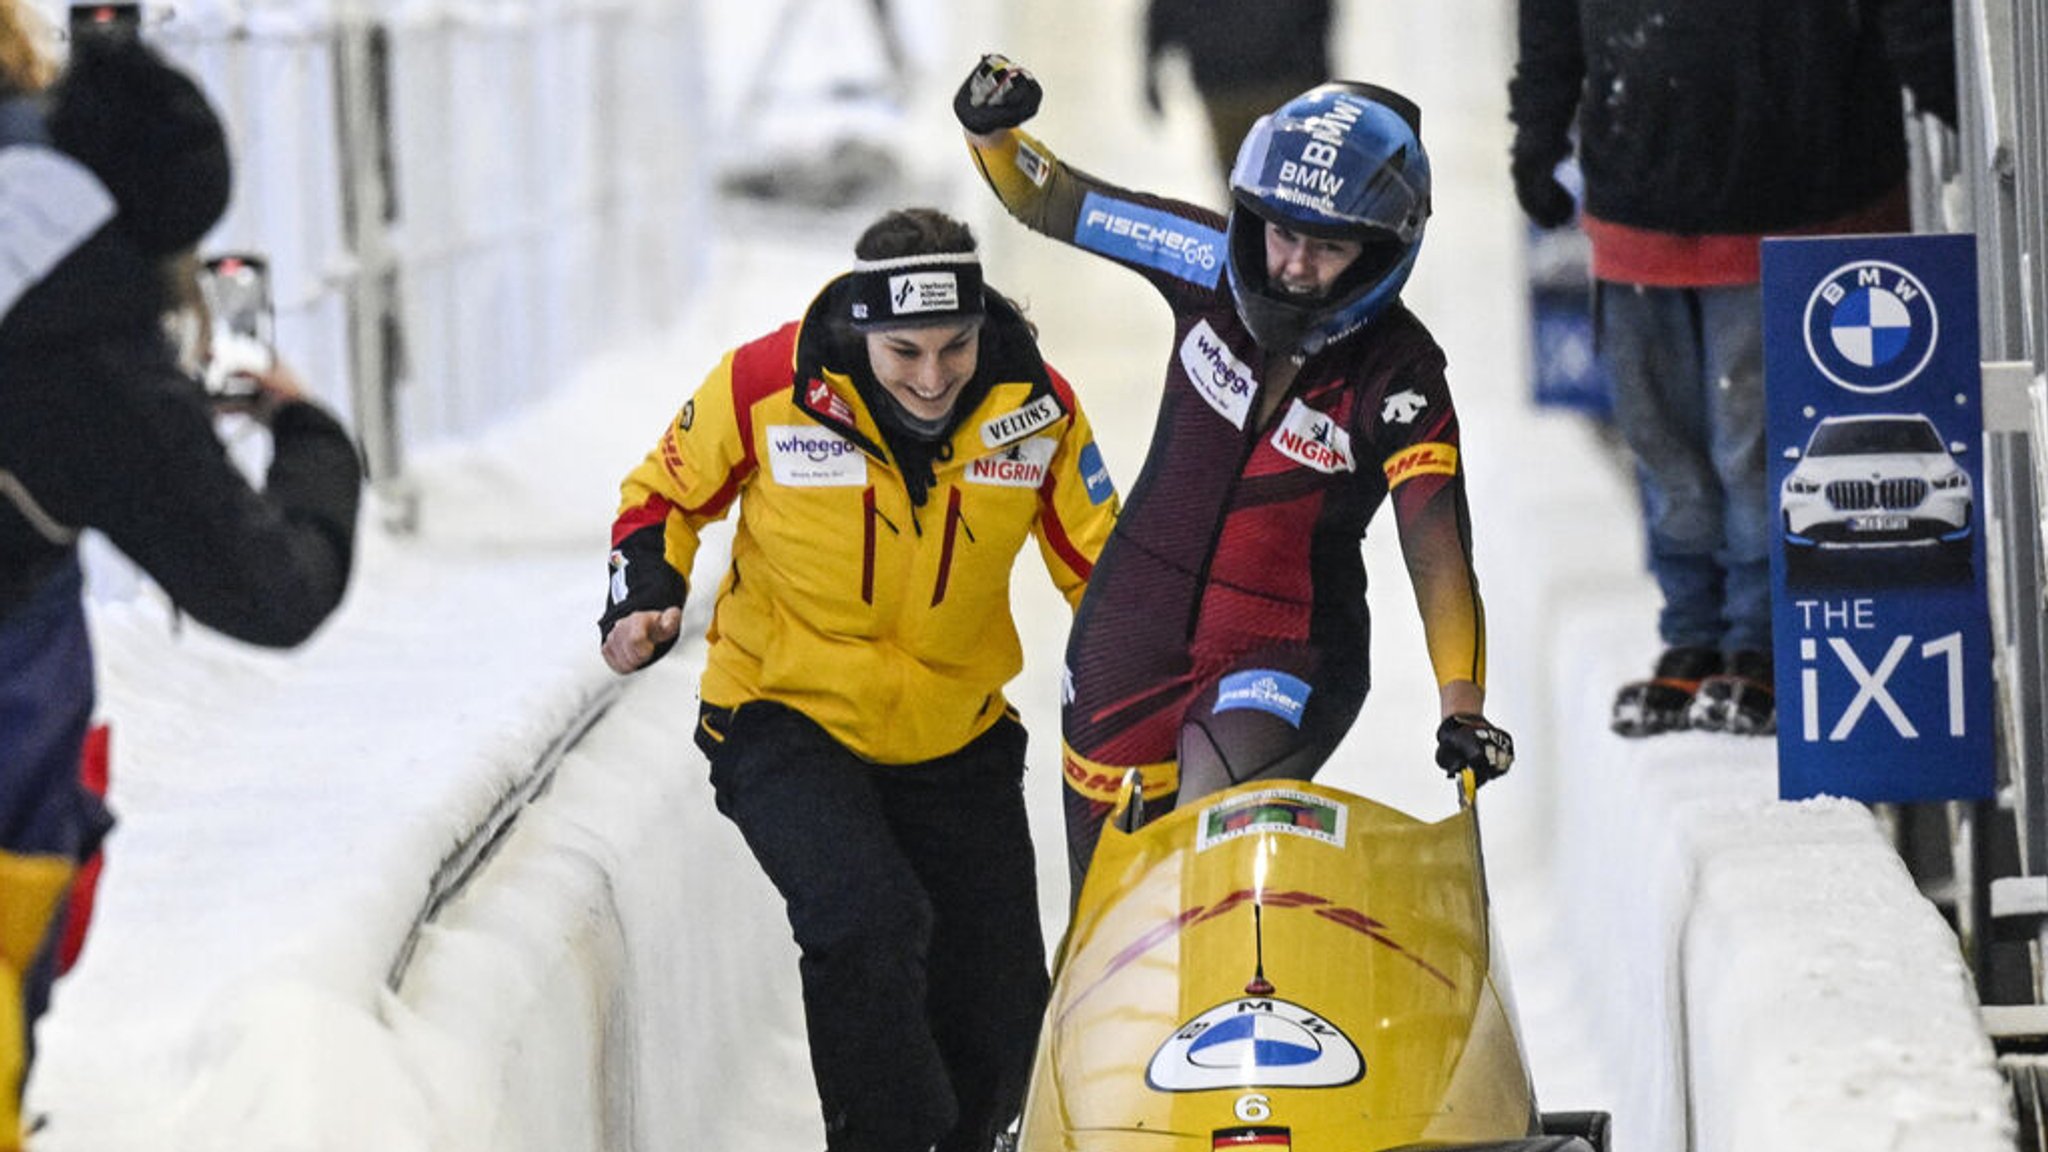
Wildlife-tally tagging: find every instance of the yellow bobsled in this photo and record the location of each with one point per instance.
(1286, 967)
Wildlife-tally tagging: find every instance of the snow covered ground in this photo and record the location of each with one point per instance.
(1719, 970)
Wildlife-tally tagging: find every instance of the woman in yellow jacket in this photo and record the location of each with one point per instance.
(889, 453)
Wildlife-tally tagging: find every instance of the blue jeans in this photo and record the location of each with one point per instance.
(1687, 365)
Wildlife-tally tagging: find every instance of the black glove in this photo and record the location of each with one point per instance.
(1547, 201)
(997, 94)
(1465, 740)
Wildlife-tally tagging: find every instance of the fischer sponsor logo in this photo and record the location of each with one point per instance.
(1223, 380)
(1189, 248)
(1312, 438)
(1021, 465)
(1150, 237)
(915, 292)
(801, 457)
(1024, 421)
(1428, 459)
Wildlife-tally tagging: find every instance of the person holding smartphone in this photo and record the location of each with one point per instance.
(106, 173)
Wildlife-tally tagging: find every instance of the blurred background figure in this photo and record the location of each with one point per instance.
(1688, 163)
(1246, 57)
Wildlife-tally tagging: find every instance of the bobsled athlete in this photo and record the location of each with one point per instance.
(1223, 637)
(889, 453)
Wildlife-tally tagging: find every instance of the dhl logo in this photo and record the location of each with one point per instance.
(1104, 781)
(1428, 459)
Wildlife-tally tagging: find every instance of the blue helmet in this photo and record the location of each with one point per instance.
(1342, 161)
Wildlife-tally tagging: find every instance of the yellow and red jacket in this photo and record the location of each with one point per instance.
(885, 620)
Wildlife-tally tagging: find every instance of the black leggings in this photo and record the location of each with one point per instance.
(913, 893)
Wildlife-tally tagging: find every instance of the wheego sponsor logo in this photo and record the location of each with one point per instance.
(812, 457)
(1261, 1042)
(1223, 380)
(1095, 474)
(1022, 422)
(1871, 326)
(1312, 438)
(1148, 236)
(1267, 690)
(1021, 465)
(1427, 459)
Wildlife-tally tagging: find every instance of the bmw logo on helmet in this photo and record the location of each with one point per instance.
(1871, 326)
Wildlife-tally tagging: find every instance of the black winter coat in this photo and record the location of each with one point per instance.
(1237, 44)
(1727, 116)
(100, 429)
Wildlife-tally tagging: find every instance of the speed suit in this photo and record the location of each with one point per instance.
(1224, 634)
(853, 708)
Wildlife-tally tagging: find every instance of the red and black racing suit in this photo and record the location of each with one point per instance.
(1224, 633)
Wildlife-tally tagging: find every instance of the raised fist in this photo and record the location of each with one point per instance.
(998, 94)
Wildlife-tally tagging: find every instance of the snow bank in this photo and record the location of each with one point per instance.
(1764, 976)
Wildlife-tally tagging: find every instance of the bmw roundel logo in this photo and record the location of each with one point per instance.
(1871, 326)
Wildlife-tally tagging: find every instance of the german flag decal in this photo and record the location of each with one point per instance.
(1261, 1139)
(1430, 458)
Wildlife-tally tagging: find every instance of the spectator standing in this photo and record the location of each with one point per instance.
(1246, 57)
(1702, 126)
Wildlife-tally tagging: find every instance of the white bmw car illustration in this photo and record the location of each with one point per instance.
(1879, 481)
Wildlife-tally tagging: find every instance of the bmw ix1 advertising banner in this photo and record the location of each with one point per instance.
(1883, 638)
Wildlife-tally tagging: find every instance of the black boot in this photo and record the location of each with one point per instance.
(1660, 704)
(1742, 700)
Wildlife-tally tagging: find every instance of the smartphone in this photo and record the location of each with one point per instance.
(117, 21)
(236, 290)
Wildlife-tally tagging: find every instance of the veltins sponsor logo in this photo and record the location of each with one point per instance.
(806, 457)
(1255, 1042)
(1223, 380)
(1095, 474)
(1403, 407)
(1426, 459)
(1022, 422)
(1150, 237)
(1264, 689)
(1871, 326)
(1021, 465)
(1309, 437)
(915, 292)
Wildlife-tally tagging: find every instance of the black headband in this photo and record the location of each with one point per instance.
(912, 291)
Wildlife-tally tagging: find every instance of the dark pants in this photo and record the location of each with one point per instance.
(913, 895)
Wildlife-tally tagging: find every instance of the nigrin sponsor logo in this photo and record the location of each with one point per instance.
(1313, 438)
(1022, 465)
